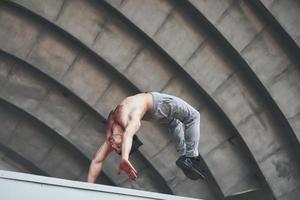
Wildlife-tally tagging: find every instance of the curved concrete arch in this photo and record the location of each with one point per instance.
(59, 100)
(148, 170)
(288, 21)
(133, 14)
(149, 30)
(26, 82)
(260, 70)
(145, 89)
(41, 146)
(279, 100)
(63, 13)
(129, 87)
(12, 161)
(275, 17)
(144, 173)
(258, 79)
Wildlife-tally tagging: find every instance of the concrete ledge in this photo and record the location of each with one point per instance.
(26, 186)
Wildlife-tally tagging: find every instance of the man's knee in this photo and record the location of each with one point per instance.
(195, 116)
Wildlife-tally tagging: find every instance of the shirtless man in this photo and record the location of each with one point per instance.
(124, 121)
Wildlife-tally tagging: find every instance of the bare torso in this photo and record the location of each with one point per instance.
(133, 107)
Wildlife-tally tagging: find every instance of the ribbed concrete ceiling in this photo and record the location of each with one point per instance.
(65, 64)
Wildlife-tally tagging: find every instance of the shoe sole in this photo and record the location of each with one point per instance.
(202, 174)
(189, 171)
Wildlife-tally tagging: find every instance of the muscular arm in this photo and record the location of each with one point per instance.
(110, 122)
(125, 165)
(97, 162)
(131, 128)
(104, 150)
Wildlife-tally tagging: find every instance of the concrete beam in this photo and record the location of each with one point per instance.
(287, 14)
(180, 24)
(54, 188)
(152, 134)
(58, 104)
(12, 161)
(36, 142)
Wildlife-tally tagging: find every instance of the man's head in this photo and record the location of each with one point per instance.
(116, 137)
(115, 143)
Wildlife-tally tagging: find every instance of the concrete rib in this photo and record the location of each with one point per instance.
(160, 49)
(19, 163)
(278, 110)
(72, 134)
(157, 174)
(286, 23)
(29, 123)
(285, 124)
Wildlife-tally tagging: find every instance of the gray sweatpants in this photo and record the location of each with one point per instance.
(183, 122)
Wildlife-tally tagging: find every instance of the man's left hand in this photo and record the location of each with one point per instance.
(127, 167)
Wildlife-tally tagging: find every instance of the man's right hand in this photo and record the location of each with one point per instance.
(127, 167)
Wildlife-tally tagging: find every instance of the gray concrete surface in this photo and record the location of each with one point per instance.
(264, 53)
(50, 8)
(177, 27)
(52, 54)
(36, 187)
(288, 20)
(213, 9)
(148, 15)
(40, 145)
(53, 108)
(156, 149)
(93, 19)
(9, 163)
(183, 23)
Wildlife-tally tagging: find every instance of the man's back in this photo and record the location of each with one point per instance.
(132, 107)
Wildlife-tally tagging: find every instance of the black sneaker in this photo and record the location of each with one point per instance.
(199, 166)
(186, 165)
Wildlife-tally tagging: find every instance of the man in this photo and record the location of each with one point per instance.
(124, 121)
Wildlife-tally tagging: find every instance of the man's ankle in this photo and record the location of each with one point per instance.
(198, 157)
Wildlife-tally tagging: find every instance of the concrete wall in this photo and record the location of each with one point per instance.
(20, 185)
